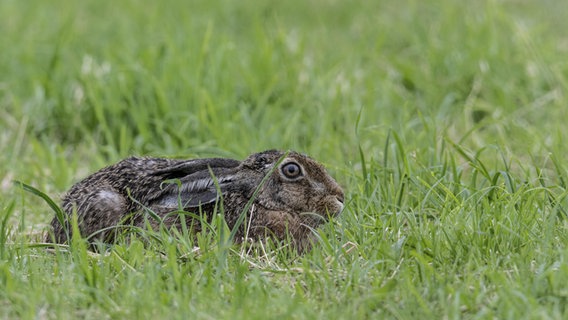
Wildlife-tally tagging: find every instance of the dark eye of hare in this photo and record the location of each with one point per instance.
(291, 170)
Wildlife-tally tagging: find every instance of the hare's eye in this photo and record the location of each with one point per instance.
(291, 170)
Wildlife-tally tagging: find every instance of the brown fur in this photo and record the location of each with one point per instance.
(283, 208)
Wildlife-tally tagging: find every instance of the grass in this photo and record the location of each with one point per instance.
(443, 121)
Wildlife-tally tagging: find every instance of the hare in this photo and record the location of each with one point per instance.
(288, 195)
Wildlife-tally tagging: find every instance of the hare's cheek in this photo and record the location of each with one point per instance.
(296, 200)
(281, 222)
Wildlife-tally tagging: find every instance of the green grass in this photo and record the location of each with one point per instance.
(444, 121)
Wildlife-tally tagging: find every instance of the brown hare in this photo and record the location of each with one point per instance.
(290, 194)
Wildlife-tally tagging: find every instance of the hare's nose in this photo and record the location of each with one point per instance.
(340, 204)
(340, 197)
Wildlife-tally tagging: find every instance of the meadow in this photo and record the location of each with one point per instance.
(444, 121)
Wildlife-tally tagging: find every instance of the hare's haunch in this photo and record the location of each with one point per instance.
(290, 201)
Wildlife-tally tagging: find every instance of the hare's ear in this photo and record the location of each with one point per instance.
(190, 193)
(185, 168)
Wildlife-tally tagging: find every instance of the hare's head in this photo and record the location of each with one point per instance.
(294, 183)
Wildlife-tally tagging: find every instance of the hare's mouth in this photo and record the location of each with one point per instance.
(319, 217)
(335, 206)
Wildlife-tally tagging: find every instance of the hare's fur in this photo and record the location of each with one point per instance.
(288, 203)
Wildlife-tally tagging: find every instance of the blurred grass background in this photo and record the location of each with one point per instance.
(443, 120)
